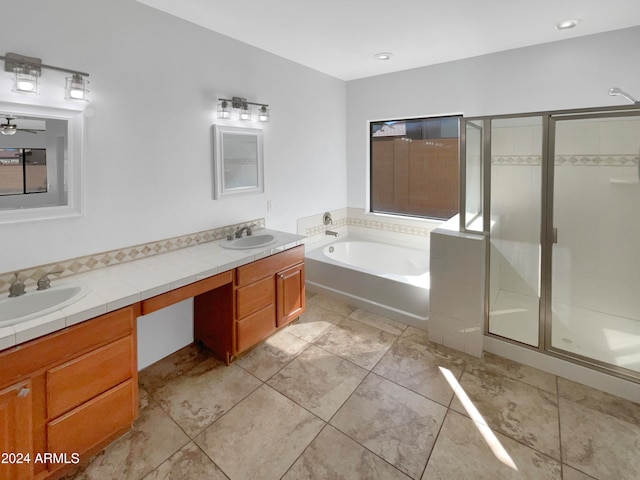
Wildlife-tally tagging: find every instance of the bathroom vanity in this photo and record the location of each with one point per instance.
(264, 296)
(67, 394)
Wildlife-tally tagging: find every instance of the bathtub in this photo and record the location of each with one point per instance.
(387, 279)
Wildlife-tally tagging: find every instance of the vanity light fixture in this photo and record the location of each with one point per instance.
(245, 113)
(25, 79)
(263, 114)
(76, 88)
(27, 70)
(226, 106)
(223, 110)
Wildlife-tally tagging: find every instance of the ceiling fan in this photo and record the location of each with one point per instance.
(11, 128)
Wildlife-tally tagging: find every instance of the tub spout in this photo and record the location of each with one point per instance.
(331, 232)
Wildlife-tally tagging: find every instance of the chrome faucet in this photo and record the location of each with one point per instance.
(240, 231)
(17, 287)
(331, 232)
(44, 282)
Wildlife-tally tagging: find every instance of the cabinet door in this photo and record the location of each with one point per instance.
(15, 422)
(290, 294)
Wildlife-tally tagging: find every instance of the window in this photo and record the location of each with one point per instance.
(415, 167)
(23, 170)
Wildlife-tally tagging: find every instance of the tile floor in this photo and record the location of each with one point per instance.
(345, 394)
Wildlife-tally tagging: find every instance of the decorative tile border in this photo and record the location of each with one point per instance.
(568, 160)
(319, 229)
(389, 226)
(597, 160)
(374, 224)
(516, 160)
(114, 257)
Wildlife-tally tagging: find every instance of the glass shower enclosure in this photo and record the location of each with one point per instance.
(563, 221)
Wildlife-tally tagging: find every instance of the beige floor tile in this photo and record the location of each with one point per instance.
(416, 335)
(153, 439)
(354, 341)
(598, 444)
(569, 473)
(272, 354)
(600, 401)
(314, 322)
(514, 370)
(394, 423)
(462, 452)
(378, 321)
(318, 381)
(333, 455)
(188, 463)
(261, 437)
(520, 411)
(172, 366)
(331, 304)
(418, 368)
(203, 394)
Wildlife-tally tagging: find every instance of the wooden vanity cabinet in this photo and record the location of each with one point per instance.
(266, 295)
(69, 393)
(15, 421)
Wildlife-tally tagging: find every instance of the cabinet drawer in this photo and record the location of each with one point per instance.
(85, 377)
(177, 295)
(39, 353)
(268, 266)
(93, 422)
(255, 296)
(255, 327)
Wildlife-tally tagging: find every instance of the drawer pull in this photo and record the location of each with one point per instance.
(23, 392)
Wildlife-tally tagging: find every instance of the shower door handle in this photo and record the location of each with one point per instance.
(555, 235)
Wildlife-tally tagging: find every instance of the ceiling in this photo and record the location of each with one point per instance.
(341, 37)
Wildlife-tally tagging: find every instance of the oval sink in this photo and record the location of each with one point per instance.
(253, 241)
(35, 303)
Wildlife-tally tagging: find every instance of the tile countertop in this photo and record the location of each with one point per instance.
(118, 286)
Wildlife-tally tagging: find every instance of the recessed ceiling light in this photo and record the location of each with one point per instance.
(566, 24)
(383, 55)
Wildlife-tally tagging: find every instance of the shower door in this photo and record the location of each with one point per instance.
(517, 144)
(592, 310)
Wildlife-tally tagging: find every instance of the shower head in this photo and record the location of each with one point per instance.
(615, 91)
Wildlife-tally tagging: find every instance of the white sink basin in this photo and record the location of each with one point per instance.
(253, 241)
(36, 303)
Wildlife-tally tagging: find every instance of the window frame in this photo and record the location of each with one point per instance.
(369, 170)
(68, 171)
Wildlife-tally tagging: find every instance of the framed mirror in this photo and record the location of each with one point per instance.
(238, 161)
(40, 162)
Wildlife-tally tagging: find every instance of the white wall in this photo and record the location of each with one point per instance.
(561, 75)
(155, 80)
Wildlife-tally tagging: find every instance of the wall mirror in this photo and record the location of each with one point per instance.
(40, 162)
(238, 161)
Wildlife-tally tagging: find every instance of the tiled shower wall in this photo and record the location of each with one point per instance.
(590, 157)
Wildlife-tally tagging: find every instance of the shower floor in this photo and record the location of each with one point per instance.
(597, 335)
(515, 316)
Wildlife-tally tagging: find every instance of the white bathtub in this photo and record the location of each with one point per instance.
(388, 279)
